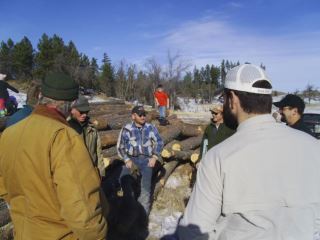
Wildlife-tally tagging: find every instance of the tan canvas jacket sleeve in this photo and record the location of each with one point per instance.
(77, 185)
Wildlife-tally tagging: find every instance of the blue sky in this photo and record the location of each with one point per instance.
(283, 34)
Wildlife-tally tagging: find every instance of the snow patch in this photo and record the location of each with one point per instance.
(170, 223)
(173, 182)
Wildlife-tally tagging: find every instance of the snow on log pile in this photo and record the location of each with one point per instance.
(182, 141)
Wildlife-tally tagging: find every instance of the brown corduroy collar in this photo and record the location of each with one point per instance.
(52, 113)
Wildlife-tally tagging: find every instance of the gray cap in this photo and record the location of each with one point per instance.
(81, 104)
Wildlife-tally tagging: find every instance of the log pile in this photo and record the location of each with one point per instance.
(181, 139)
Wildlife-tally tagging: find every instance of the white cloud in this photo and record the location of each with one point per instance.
(291, 58)
(235, 4)
(97, 48)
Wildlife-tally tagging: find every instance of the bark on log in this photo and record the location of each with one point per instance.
(189, 143)
(191, 130)
(187, 129)
(110, 121)
(167, 170)
(170, 133)
(111, 110)
(111, 151)
(109, 101)
(152, 115)
(182, 155)
(109, 138)
(167, 150)
(118, 123)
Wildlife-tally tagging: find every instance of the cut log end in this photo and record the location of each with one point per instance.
(194, 157)
(176, 147)
(166, 153)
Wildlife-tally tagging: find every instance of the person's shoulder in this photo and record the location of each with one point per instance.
(150, 126)
(128, 126)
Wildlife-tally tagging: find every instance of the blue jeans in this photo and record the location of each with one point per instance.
(146, 178)
(162, 111)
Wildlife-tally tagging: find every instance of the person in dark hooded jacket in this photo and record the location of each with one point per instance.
(4, 94)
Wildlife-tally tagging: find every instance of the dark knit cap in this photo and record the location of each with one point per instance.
(81, 104)
(60, 86)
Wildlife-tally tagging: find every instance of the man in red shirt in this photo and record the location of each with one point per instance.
(162, 101)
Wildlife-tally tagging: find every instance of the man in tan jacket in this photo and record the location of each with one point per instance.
(46, 174)
(260, 183)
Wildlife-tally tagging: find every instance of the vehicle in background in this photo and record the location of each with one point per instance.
(312, 120)
(86, 91)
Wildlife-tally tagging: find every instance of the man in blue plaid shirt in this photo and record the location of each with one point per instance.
(140, 145)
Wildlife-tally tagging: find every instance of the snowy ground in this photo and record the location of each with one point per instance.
(169, 206)
(193, 112)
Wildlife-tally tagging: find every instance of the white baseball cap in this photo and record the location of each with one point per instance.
(243, 78)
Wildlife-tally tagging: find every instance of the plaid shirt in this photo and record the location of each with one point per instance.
(134, 141)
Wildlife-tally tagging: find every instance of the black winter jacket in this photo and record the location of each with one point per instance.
(3, 89)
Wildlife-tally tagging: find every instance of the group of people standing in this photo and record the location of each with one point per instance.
(257, 179)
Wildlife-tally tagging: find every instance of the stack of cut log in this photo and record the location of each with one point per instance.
(182, 140)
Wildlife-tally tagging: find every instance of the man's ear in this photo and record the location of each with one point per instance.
(234, 100)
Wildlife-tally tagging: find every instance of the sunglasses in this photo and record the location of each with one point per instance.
(142, 114)
(85, 112)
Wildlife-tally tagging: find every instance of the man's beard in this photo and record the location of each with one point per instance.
(283, 118)
(229, 119)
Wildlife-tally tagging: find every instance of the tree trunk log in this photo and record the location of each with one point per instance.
(109, 138)
(167, 150)
(111, 151)
(152, 115)
(111, 110)
(167, 169)
(191, 130)
(183, 155)
(195, 156)
(189, 143)
(170, 133)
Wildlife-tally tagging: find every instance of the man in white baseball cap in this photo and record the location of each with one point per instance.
(260, 183)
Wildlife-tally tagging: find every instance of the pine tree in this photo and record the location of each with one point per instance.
(223, 72)
(215, 75)
(71, 58)
(44, 59)
(6, 61)
(94, 73)
(107, 79)
(22, 56)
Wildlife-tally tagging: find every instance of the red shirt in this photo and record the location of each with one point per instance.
(162, 98)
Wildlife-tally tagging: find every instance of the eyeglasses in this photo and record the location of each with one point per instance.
(215, 113)
(142, 115)
(84, 112)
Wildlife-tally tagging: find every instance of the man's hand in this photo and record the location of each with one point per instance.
(129, 164)
(152, 162)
